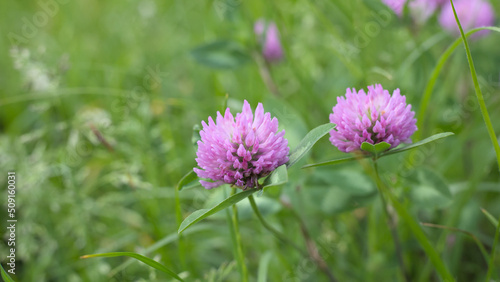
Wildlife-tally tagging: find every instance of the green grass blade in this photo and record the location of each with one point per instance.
(493, 251)
(424, 103)
(5, 276)
(421, 237)
(263, 267)
(490, 217)
(309, 140)
(159, 244)
(415, 229)
(142, 258)
(472, 236)
(479, 94)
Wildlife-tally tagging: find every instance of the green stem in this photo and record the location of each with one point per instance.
(479, 94)
(493, 250)
(178, 216)
(312, 249)
(239, 250)
(313, 254)
(275, 232)
(417, 232)
(392, 227)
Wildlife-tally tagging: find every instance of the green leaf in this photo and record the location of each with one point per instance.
(277, 177)
(5, 276)
(490, 217)
(427, 140)
(221, 55)
(337, 161)
(204, 213)
(375, 149)
(186, 179)
(429, 189)
(142, 258)
(426, 97)
(309, 140)
(386, 153)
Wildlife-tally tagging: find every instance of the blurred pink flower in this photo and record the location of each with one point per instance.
(374, 117)
(395, 5)
(242, 150)
(269, 38)
(471, 13)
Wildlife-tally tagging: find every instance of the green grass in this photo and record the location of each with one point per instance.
(99, 152)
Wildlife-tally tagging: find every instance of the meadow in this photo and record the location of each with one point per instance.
(102, 102)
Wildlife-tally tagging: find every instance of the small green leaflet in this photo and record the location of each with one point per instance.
(278, 177)
(386, 153)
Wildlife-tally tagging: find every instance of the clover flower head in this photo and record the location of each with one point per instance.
(239, 151)
(371, 117)
(471, 13)
(396, 6)
(269, 37)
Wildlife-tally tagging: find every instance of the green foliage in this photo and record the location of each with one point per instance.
(307, 143)
(142, 258)
(5, 276)
(97, 115)
(221, 54)
(276, 178)
(380, 150)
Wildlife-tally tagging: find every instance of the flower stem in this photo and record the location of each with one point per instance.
(392, 225)
(312, 250)
(180, 240)
(265, 74)
(416, 230)
(275, 232)
(239, 247)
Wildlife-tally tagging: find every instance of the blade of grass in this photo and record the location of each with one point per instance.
(416, 230)
(490, 217)
(472, 236)
(479, 94)
(493, 250)
(263, 267)
(161, 243)
(142, 258)
(5, 276)
(424, 103)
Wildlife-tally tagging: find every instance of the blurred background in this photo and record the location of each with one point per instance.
(98, 101)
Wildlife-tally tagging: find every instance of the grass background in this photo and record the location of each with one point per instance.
(126, 69)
